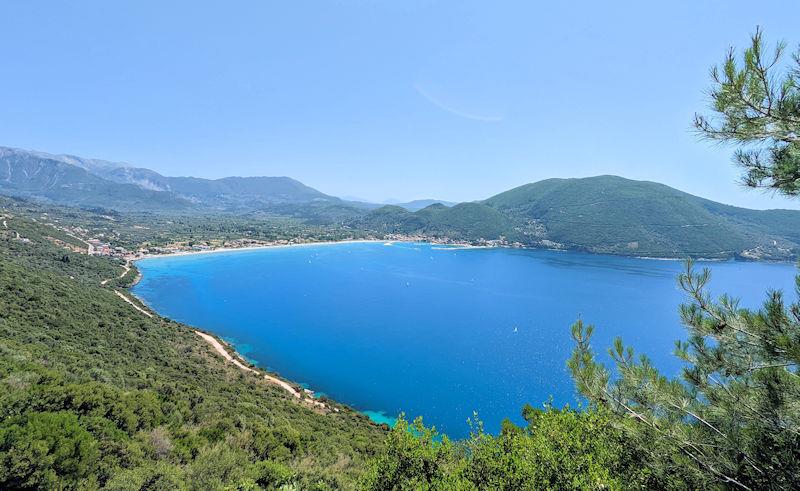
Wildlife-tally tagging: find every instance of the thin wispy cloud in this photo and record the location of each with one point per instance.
(456, 112)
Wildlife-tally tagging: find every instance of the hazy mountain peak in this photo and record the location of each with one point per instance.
(88, 164)
(102, 180)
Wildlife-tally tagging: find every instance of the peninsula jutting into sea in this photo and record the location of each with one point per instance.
(396, 246)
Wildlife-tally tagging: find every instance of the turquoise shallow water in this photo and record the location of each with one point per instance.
(430, 330)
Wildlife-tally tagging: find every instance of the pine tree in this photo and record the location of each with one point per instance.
(757, 107)
(732, 419)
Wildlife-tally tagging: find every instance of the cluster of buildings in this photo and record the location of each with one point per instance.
(100, 248)
(501, 242)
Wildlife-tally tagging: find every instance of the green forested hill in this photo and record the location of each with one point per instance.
(617, 215)
(93, 393)
(607, 214)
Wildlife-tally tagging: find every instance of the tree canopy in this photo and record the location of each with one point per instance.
(756, 106)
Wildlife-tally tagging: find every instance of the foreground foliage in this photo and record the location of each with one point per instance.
(557, 449)
(733, 418)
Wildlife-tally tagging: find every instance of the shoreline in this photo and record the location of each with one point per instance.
(299, 392)
(450, 245)
(311, 244)
(254, 248)
(377, 417)
(232, 355)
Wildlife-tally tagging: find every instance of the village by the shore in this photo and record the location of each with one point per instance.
(101, 248)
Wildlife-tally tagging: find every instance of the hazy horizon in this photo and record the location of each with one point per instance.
(454, 101)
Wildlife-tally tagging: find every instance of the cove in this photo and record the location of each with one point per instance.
(432, 330)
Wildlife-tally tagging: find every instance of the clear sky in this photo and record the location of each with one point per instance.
(454, 100)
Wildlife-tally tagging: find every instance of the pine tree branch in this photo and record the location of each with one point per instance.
(682, 444)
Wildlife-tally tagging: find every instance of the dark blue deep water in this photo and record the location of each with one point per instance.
(434, 331)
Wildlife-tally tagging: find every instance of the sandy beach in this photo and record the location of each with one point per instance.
(307, 244)
(253, 248)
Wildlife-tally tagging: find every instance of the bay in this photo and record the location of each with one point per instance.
(435, 331)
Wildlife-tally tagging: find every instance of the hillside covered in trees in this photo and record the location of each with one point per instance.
(606, 214)
(95, 394)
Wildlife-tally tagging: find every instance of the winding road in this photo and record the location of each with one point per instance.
(120, 295)
(125, 268)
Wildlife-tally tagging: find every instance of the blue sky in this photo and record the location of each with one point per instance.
(374, 99)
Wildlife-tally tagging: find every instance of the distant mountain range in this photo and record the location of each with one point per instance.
(71, 180)
(605, 214)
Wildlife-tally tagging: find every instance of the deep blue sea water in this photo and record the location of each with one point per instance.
(431, 330)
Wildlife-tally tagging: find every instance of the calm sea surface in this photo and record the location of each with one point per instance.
(430, 330)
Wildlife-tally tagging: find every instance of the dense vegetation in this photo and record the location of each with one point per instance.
(135, 230)
(732, 417)
(558, 449)
(92, 393)
(615, 215)
(606, 214)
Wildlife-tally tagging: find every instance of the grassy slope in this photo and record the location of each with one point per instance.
(158, 405)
